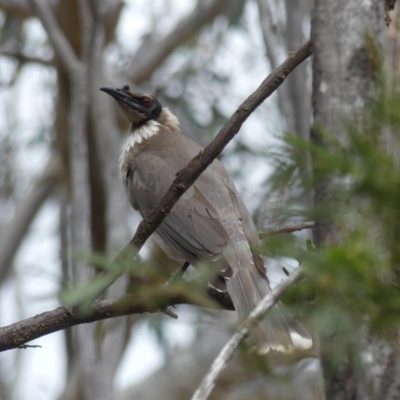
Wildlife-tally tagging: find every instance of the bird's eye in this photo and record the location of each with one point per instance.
(126, 87)
(146, 102)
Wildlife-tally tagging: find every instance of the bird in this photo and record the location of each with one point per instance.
(209, 225)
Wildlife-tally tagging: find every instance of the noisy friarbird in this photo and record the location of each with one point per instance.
(209, 224)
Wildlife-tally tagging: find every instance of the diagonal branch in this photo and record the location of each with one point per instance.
(219, 364)
(187, 176)
(153, 52)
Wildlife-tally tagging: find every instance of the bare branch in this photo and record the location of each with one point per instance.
(287, 229)
(219, 364)
(15, 335)
(153, 52)
(25, 58)
(59, 42)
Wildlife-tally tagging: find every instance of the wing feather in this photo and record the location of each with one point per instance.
(193, 225)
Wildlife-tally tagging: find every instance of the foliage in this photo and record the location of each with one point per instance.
(351, 284)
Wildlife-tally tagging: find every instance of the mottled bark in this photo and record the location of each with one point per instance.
(343, 78)
(342, 75)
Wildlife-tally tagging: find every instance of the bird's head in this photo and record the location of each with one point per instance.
(137, 107)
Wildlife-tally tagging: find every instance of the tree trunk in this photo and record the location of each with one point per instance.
(343, 78)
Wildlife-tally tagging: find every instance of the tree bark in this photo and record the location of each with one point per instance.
(343, 78)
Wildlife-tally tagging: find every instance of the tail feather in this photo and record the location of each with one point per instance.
(279, 331)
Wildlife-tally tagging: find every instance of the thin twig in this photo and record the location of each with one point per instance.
(219, 364)
(169, 313)
(30, 346)
(287, 229)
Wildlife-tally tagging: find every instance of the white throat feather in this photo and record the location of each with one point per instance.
(146, 131)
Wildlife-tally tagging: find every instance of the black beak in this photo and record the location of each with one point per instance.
(118, 94)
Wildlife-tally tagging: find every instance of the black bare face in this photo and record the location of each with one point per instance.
(137, 107)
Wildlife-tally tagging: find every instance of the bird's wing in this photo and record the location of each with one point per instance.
(193, 226)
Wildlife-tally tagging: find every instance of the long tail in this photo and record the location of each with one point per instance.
(278, 331)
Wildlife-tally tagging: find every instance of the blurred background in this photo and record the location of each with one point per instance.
(60, 191)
